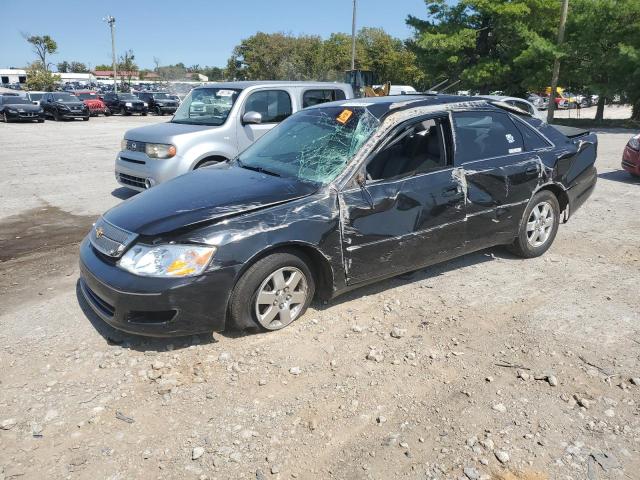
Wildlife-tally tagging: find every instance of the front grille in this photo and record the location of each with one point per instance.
(131, 180)
(135, 146)
(131, 160)
(109, 239)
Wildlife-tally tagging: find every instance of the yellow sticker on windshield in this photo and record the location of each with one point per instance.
(344, 116)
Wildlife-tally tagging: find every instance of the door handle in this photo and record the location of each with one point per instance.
(532, 170)
(451, 191)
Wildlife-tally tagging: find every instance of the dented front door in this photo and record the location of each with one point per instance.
(392, 226)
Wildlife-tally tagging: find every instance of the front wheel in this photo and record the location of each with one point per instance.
(4, 117)
(538, 227)
(86, 119)
(274, 292)
(159, 111)
(56, 115)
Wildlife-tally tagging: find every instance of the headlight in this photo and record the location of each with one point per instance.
(145, 104)
(159, 150)
(123, 144)
(634, 143)
(128, 104)
(167, 260)
(11, 110)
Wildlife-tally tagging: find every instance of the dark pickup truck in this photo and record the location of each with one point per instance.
(159, 102)
(125, 103)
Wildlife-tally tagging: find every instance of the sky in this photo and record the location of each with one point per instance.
(200, 32)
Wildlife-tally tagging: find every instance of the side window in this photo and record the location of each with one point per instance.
(532, 140)
(316, 97)
(420, 148)
(273, 105)
(481, 135)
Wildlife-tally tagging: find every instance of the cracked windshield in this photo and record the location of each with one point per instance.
(206, 106)
(312, 146)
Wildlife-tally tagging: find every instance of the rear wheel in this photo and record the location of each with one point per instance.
(274, 292)
(158, 111)
(56, 115)
(538, 227)
(86, 119)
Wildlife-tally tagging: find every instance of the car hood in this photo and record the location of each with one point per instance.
(26, 107)
(162, 132)
(204, 196)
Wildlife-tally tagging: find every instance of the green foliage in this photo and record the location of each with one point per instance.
(277, 56)
(39, 78)
(43, 45)
(487, 44)
(72, 67)
(103, 67)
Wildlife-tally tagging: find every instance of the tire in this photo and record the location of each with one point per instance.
(268, 278)
(537, 228)
(56, 115)
(85, 119)
(4, 117)
(41, 120)
(159, 111)
(144, 114)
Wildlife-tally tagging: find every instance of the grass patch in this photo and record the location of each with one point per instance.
(589, 123)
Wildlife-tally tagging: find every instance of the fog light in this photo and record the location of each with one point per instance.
(149, 182)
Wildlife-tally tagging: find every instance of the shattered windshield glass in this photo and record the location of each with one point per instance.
(313, 145)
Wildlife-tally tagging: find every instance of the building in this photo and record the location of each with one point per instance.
(122, 75)
(12, 75)
(77, 77)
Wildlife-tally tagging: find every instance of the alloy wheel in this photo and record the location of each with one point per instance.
(540, 224)
(281, 298)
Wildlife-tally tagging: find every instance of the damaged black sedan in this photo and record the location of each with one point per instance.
(335, 197)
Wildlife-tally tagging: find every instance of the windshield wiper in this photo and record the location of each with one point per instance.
(257, 169)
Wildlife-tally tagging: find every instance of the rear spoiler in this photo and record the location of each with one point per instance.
(571, 132)
(510, 108)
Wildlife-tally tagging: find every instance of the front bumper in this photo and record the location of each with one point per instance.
(135, 109)
(631, 161)
(74, 114)
(25, 116)
(133, 169)
(157, 307)
(167, 108)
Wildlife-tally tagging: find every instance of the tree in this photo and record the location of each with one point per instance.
(73, 67)
(39, 78)
(43, 45)
(126, 66)
(63, 67)
(103, 67)
(602, 53)
(487, 44)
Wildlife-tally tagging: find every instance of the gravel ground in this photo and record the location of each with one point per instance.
(484, 367)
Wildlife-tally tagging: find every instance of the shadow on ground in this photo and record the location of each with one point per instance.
(621, 176)
(140, 343)
(123, 193)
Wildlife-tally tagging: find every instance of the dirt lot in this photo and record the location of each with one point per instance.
(483, 367)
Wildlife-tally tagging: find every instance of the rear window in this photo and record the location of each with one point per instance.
(316, 97)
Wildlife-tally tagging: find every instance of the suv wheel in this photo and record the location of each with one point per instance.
(274, 292)
(538, 227)
(159, 111)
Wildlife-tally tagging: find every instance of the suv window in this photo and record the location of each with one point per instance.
(481, 135)
(316, 97)
(273, 105)
(420, 148)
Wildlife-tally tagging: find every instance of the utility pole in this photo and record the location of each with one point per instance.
(112, 21)
(556, 62)
(353, 37)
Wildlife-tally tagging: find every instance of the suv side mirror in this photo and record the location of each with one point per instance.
(252, 118)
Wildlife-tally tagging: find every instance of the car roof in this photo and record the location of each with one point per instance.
(502, 98)
(381, 106)
(272, 83)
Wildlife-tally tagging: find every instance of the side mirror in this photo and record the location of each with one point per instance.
(252, 118)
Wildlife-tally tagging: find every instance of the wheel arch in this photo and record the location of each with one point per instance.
(560, 193)
(216, 158)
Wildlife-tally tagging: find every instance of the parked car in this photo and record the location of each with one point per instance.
(335, 197)
(631, 156)
(93, 102)
(213, 124)
(125, 103)
(159, 102)
(538, 101)
(520, 103)
(16, 107)
(63, 105)
(35, 97)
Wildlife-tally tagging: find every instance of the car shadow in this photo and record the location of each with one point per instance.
(142, 343)
(123, 193)
(621, 176)
(420, 275)
(137, 342)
